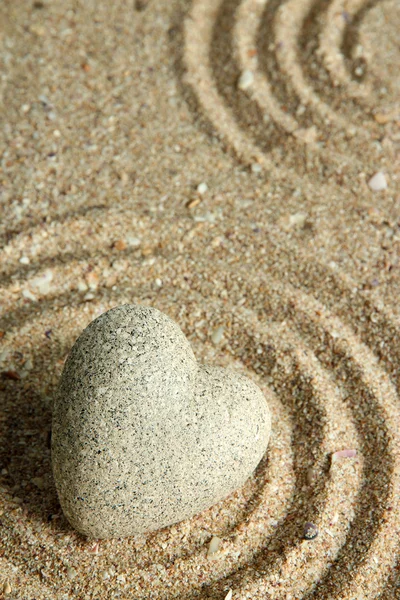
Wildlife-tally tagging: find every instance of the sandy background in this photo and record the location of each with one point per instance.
(113, 113)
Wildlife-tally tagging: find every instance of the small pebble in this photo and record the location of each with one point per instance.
(28, 295)
(95, 548)
(347, 453)
(24, 260)
(217, 335)
(92, 279)
(202, 188)
(383, 118)
(334, 519)
(119, 245)
(256, 168)
(207, 218)
(42, 282)
(311, 476)
(28, 365)
(246, 80)
(214, 546)
(38, 482)
(88, 297)
(194, 202)
(133, 240)
(229, 595)
(7, 588)
(378, 182)
(147, 251)
(310, 531)
(71, 573)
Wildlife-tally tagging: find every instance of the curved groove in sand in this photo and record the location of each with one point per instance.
(331, 37)
(249, 27)
(288, 23)
(377, 385)
(246, 31)
(227, 38)
(324, 504)
(198, 32)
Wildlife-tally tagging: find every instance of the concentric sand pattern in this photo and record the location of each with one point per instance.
(327, 391)
(287, 272)
(263, 68)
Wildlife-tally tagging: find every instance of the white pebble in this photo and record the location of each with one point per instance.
(28, 365)
(298, 220)
(246, 80)
(214, 546)
(7, 588)
(256, 168)
(378, 182)
(24, 260)
(132, 240)
(207, 218)
(217, 335)
(28, 295)
(71, 573)
(158, 282)
(82, 287)
(41, 283)
(347, 453)
(89, 296)
(202, 188)
(229, 595)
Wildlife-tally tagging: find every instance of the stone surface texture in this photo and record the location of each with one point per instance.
(143, 436)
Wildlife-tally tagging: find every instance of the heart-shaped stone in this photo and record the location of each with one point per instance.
(143, 436)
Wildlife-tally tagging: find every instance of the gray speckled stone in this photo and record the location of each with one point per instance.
(143, 436)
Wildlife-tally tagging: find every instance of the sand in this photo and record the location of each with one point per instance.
(285, 267)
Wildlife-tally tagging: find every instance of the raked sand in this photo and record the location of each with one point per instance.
(213, 159)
